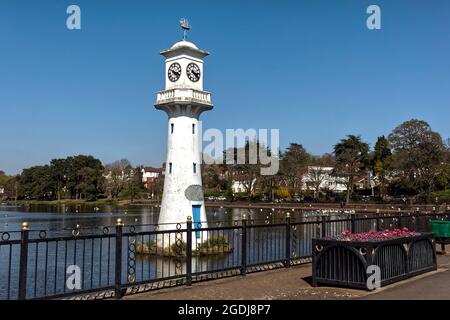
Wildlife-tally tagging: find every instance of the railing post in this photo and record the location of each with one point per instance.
(23, 262)
(244, 246)
(118, 258)
(287, 262)
(323, 220)
(189, 251)
(399, 221)
(352, 222)
(418, 216)
(378, 220)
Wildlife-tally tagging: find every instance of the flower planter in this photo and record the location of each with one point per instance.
(345, 263)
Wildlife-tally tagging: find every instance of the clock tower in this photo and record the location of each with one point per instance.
(183, 100)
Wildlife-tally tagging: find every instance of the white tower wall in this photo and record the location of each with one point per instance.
(182, 152)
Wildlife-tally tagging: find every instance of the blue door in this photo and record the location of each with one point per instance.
(196, 217)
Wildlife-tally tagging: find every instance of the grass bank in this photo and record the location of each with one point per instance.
(69, 202)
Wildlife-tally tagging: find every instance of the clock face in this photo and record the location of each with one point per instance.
(174, 72)
(193, 72)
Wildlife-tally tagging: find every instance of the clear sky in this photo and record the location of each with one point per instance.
(310, 68)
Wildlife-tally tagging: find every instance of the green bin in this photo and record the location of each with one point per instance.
(440, 228)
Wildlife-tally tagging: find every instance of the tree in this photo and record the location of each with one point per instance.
(294, 165)
(58, 168)
(158, 187)
(211, 177)
(84, 177)
(418, 155)
(3, 178)
(381, 162)
(37, 183)
(12, 188)
(351, 160)
(85, 183)
(134, 186)
(116, 175)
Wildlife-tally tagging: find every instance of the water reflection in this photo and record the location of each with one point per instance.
(53, 217)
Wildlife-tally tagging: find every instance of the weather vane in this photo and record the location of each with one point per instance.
(184, 24)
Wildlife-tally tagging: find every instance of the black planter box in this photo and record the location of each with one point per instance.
(345, 263)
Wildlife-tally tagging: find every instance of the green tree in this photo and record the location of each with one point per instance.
(58, 169)
(134, 187)
(294, 165)
(37, 183)
(419, 156)
(4, 180)
(381, 162)
(352, 155)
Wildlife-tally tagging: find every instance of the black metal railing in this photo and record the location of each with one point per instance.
(121, 260)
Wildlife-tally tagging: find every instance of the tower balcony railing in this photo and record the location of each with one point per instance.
(183, 95)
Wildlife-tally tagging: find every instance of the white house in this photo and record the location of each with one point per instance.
(149, 174)
(323, 177)
(239, 186)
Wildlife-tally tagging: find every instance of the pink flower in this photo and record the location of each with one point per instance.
(346, 233)
(375, 235)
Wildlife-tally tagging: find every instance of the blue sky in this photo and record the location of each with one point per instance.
(310, 68)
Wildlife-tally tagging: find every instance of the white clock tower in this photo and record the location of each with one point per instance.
(184, 101)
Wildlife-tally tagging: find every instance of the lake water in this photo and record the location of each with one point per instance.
(67, 217)
(48, 260)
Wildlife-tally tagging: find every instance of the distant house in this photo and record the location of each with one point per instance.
(149, 174)
(324, 178)
(2, 191)
(240, 187)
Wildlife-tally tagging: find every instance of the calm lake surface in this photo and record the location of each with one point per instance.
(67, 217)
(48, 261)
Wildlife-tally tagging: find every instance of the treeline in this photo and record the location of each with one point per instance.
(79, 178)
(412, 160)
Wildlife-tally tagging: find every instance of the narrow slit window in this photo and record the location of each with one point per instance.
(193, 128)
(194, 168)
(171, 128)
(170, 167)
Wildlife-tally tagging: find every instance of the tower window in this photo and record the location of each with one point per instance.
(171, 127)
(193, 128)
(170, 167)
(194, 168)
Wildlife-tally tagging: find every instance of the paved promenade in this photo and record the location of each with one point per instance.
(294, 284)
